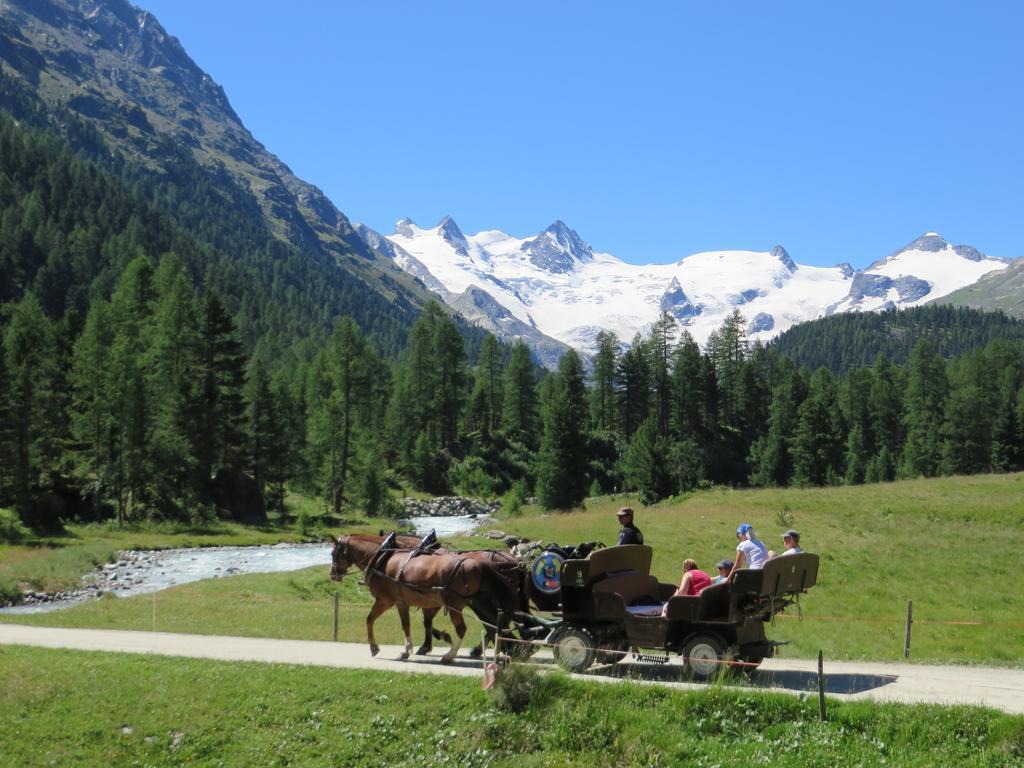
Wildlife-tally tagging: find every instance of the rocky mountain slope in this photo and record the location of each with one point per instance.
(115, 66)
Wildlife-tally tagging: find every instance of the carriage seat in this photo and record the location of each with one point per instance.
(781, 575)
(605, 563)
(614, 596)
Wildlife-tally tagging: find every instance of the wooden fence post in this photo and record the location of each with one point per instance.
(821, 689)
(910, 622)
(335, 615)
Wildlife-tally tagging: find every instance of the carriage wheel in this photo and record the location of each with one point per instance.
(612, 651)
(574, 649)
(703, 655)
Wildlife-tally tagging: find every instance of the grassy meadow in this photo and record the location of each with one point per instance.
(78, 708)
(944, 543)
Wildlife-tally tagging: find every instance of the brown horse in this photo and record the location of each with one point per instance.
(429, 581)
(505, 563)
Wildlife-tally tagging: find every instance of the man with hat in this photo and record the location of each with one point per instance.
(791, 539)
(629, 534)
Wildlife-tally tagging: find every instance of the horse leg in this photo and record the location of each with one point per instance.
(428, 631)
(403, 612)
(460, 631)
(379, 606)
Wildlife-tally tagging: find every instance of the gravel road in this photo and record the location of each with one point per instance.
(911, 683)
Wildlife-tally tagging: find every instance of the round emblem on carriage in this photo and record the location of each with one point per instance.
(547, 572)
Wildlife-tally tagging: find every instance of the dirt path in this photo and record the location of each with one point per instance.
(912, 683)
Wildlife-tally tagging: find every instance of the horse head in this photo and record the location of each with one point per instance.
(340, 561)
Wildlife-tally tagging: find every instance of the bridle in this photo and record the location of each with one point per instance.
(341, 549)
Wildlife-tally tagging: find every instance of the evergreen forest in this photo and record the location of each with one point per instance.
(163, 356)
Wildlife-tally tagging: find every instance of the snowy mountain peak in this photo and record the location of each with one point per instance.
(452, 235)
(780, 253)
(929, 241)
(558, 249)
(405, 227)
(555, 284)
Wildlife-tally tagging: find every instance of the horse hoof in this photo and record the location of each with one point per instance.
(404, 656)
(476, 652)
(374, 650)
(423, 650)
(446, 659)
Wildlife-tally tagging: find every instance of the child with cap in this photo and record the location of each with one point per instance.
(724, 568)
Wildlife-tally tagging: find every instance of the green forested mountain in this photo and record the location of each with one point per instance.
(109, 81)
(855, 339)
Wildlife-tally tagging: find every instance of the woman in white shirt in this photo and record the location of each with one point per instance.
(750, 552)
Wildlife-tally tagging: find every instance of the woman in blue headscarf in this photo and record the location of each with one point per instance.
(750, 552)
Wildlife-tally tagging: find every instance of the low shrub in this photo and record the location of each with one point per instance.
(11, 529)
(516, 687)
(9, 592)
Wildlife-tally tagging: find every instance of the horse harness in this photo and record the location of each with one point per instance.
(388, 548)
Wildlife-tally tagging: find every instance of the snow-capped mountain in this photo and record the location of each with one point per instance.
(557, 286)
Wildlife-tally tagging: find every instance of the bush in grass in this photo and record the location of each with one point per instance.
(517, 685)
(470, 476)
(11, 529)
(9, 592)
(512, 504)
(302, 523)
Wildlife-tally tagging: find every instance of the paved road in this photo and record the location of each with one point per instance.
(986, 686)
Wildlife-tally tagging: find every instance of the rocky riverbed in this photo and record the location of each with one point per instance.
(449, 506)
(138, 572)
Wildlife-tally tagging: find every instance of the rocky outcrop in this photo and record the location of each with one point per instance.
(557, 249)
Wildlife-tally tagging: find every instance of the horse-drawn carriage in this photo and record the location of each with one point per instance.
(611, 604)
(603, 606)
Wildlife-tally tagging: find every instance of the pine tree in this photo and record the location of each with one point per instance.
(485, 402)
(689, 395)
(728, 348)
(29, 351)
(633, 388)
(602, 390)
(772, 455)
(925, 400)
(261, 422)
(8, 451)
(562, 478)
(818, 440)
(966, 432)
(660, 346)
(92, 420)
(221, 370)
(645, 464)
(520, 409)
(170, 362)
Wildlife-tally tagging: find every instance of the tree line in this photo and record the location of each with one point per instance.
(148, 407)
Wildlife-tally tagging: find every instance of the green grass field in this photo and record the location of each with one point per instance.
(77, 708)
(944, 543)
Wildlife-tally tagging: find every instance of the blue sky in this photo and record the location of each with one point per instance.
(656, 130)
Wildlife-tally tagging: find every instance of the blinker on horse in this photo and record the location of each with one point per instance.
(430, 581)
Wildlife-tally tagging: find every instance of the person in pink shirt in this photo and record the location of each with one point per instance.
(693, 581)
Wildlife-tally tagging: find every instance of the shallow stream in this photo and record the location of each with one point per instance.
(145, 572)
